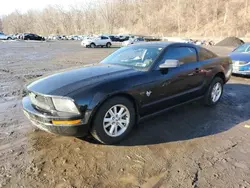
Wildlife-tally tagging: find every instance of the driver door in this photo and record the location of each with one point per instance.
(103, 40)
(174, 86)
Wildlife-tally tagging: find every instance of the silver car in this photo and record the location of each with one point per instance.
(4, 37)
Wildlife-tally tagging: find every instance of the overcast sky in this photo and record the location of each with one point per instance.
(8, 6)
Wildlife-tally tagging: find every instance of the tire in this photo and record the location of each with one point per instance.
(108, 45)
(92, 45)
(8, 38)
(208, 99)
(111, 134)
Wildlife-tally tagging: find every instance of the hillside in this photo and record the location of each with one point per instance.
(148, 17)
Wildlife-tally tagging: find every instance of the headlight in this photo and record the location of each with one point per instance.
(65, 105)
(240, 62)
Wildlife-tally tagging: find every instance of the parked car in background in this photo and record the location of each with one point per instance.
(133, 41)
(11, 37)
(102, 41)
(76, 37)
(119, 38)
(123, 38)
(18, 36)
(15, 36)
(114, 38)
(4, 37)
(131, 84)
(241, 59)
(22, 35)
(31, 36)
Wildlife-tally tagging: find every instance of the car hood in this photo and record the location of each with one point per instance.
(240, 56)
(66, 82)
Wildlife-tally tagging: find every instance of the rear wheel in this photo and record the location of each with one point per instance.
(108, 45)
(114, 120)
(214, 92)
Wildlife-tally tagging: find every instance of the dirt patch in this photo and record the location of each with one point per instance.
(192, 146)
(230, 42)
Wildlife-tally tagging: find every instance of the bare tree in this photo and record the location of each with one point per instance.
(1, 25)
(149, 17)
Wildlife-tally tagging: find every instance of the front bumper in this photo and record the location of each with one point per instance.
(241, 72)
(241, 69)
(85, 45)
(44, 121)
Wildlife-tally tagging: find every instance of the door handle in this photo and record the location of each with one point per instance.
(196, 71)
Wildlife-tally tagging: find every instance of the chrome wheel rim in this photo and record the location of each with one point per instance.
(216, 92)
(116, 120)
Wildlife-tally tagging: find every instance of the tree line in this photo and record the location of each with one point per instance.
(145, 17)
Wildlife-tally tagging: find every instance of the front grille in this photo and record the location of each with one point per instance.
(42, 102)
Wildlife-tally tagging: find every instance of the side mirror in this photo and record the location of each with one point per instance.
(170, 63)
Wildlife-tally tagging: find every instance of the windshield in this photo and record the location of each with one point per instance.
(134, 56)
(243, 48)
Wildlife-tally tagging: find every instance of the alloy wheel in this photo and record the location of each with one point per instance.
(116, 120)
(216, 92)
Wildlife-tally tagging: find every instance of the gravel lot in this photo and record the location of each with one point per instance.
(192, 146)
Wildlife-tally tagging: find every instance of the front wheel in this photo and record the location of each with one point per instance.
(214, 92)
(92, 45)
(114, 120)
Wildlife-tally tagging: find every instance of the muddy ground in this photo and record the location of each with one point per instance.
(192, 146)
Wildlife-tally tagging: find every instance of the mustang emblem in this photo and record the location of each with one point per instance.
(148, 93)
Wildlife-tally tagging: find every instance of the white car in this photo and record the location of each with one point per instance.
(97, 41)
(133, 41)
(4, 37)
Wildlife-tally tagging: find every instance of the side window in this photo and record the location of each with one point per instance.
(103, 38)
(205, 54)
(183, 54)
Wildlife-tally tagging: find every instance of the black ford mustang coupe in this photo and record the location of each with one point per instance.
(133, 83)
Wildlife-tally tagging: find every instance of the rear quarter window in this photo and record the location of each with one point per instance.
(205, 54)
